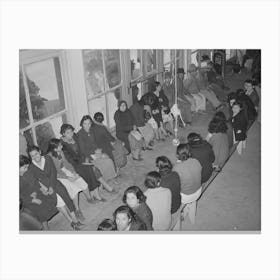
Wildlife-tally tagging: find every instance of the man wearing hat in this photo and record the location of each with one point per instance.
(185, 100)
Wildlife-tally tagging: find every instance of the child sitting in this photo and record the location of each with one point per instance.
(151, 121)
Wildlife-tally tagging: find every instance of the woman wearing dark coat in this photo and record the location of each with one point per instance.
(43, 169)
(103, 137)
(73, 154)
(239, 124)
(42, 205)
(203, 152)
(170, 180)
(124, 124)
(92, 153)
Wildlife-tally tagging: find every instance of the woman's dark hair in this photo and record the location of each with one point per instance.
(122, 102)
(99, 117)
(183, 152)
(164, 165)
(194, 138)
(124, 209)
(84, 118)
(240, 93)
(23, 160)
(152, 180)
(107, 225)
(53, 144)
(248, 81)
(154, 86)
(220, 116)
(65, 127)
(217, 125)
(33, 148)
(238, 103)
(138, 193)
(231, 96)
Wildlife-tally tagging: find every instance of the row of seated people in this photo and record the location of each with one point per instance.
(86, 160)
(172, 186)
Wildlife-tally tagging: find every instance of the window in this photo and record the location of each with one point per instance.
(94, 73)
(42, 103)
(135, 64)
(103, 82)
(150, 60)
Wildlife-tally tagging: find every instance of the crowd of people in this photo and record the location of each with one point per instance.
(86, 161)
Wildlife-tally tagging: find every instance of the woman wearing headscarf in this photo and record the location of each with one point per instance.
(126, 130)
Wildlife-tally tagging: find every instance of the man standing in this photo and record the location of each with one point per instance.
(185, 100)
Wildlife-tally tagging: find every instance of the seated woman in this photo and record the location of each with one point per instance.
(189, 170)
(43, 169)
(135, 199)
(126, 221)
(126, 131)
(203, 152)
(72, 153)
(92, 154)
(107, 142)
(103, 137)
(218, 139)
(159, 201)
(137, 110)
(42, 205)
(170, 180)
(67, 175)
(220, 116)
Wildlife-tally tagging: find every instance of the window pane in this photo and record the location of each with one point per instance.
(93, 71)
(112, 101)
(48, 130)
(194, 58)
(166, 56)
(98, 104)
(112, 65)
(135, 62)
(45, 88)
(23, 111)
(151, 60)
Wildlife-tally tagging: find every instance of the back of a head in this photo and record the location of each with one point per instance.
(164, 165)
(183, 152)
(152, 180)
(107, 225)
(194, 138)
(23, 160)
(220, 116)
(99, 117)
(217, 126)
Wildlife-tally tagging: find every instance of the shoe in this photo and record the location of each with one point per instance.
(113, 191)
(137, 159)
(75, 226)
(149, 149)
(79, 215)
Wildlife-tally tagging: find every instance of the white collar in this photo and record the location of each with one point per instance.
(42, 165)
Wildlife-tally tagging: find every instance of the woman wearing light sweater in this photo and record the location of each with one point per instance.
(159, 201)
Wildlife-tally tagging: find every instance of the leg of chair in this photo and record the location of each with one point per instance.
(192, 212)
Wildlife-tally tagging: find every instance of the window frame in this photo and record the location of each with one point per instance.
(27, 57)
(107, 90)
